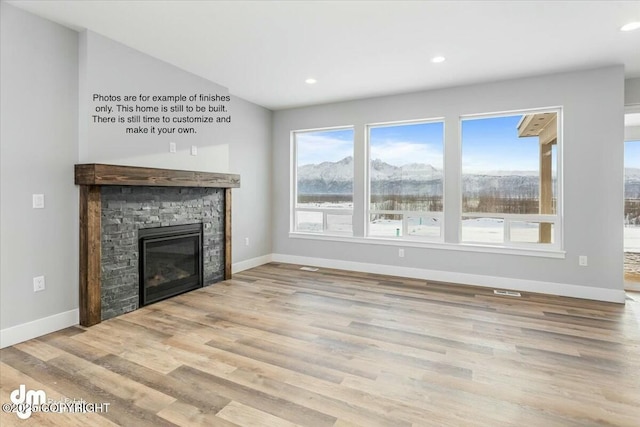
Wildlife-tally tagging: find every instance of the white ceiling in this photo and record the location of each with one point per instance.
(264, 50)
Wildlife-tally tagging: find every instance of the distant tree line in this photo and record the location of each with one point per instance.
(325, 198)
(632, 212)
(394, 202)
(489, 203)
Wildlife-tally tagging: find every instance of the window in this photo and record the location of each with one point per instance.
(509, 197)
(323, 181)
(632, 196)
(405, 180)
(510, 179)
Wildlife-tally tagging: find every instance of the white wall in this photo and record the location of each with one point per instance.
(38, 130)
(250, 156)
(48, 76)
(110, 68)
(593, 111)
(242, 146)
(632, 92)
(632, 133)
(632, 103)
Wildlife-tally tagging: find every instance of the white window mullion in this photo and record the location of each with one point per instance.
(360, 184)
(452, 203)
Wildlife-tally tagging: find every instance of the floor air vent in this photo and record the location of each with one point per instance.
(506, 293)
(308, 268)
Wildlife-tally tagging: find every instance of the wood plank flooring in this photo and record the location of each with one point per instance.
(277, 346)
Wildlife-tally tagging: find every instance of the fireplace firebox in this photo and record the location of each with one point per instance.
(170, 261)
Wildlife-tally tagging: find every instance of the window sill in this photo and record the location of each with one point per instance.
(464, 247)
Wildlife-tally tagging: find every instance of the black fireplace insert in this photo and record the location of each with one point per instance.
(170, 261)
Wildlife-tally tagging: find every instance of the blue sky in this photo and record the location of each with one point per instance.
(324, 146)
(488, 144)
(397, 145)
(632, 154)
(492, 144)
(410, 143)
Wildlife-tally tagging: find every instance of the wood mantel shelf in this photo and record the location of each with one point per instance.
(90, 177)
(100, 174)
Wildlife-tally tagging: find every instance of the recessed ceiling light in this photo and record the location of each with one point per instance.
(630, 26)
(438, 59)
(311, 81)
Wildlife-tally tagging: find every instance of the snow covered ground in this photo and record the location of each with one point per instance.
(632, 239)
(393, 228)
(481, 230)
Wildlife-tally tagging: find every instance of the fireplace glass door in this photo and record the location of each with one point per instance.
(170, 261)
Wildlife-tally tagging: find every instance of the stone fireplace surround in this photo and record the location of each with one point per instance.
(116, 201)
(126, 210)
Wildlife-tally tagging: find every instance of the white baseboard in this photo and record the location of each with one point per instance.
(250, 263)
(26, 331)
(525, 285)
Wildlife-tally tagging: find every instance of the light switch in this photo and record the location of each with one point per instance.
(38, 201)
(172, 147)
(194, 150)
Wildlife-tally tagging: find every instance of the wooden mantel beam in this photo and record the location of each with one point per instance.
(101, 174)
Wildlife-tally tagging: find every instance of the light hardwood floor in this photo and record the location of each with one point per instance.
(277, 346)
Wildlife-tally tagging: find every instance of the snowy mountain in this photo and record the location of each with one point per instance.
(326, 177)
(419, 179)
(632, 174)
(632, 183)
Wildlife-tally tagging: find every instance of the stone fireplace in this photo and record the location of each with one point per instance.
(148, 234)
(136, 218)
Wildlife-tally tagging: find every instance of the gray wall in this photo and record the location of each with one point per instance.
(593, 103)
(110, 68)
(632, 91)
(242, 146)
(632, 133)
(39, 97)
(48, 74)
(250, 156)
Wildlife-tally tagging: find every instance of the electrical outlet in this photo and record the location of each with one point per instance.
(401, 253)
(246, 241)
(582, 261)
(38, 284)
(194, 150)
(38, 201)
(172, 147)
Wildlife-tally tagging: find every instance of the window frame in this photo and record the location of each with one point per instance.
(450, 220)
(293, 192)
(368, 212)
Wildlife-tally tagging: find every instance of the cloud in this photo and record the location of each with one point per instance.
(399, 153)
(497, 161)
(313, 148)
